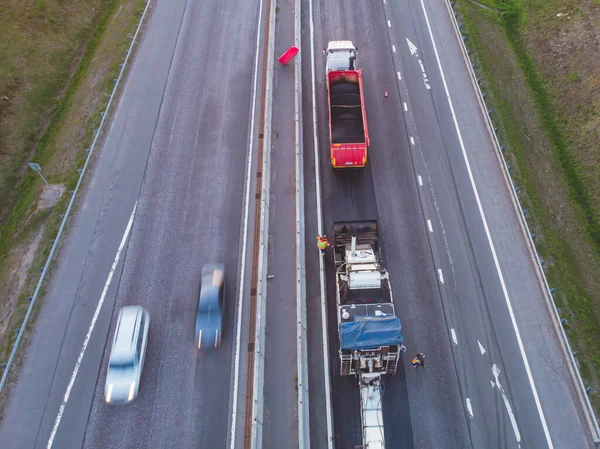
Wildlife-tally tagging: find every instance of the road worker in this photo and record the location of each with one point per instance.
(419, 360)
(322, 243)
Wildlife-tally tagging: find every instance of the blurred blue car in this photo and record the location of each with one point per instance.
(209, 318)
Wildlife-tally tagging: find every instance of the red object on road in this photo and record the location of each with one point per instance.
(288, 55)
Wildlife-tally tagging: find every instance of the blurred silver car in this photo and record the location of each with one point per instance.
(209, 318)
(127, 356)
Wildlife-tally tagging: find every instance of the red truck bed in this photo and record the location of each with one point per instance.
(348, 131)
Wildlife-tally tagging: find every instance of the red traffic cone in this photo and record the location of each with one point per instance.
(385, 94)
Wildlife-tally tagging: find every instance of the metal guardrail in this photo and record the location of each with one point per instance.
(256, 435)
(65, 217)
(590, 415)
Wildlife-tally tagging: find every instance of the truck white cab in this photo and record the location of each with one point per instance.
(341, 55)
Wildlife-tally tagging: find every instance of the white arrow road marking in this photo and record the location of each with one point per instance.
(481, 348)
(469, 407)
(513, 421)
(412, 47)
(413, 51)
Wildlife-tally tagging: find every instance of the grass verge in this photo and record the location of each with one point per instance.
(532, 123)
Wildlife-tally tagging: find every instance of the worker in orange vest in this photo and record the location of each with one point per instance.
(322, 243)
(419, 360)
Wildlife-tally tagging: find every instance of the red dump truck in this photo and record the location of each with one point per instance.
(348, 131)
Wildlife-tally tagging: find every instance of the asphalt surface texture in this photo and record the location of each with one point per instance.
(429, 408)
(280, 425)
(177, 151)
(178, 147)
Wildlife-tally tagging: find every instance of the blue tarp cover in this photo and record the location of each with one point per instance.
(370, 332)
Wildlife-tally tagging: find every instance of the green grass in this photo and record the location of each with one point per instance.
(554, 241)
(512, 17)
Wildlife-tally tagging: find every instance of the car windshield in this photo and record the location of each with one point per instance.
(122, 365)
(208, 309)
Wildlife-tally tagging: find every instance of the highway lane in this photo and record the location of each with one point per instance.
(189, 209)
(280, 425)
(189, 214)
(421, 409)
(506, 413)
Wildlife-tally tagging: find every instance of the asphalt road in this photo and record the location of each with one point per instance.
(178, 147)
(474, 300)
(421, 409)
(429, 408)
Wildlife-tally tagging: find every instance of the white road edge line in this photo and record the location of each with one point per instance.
(91, 328)
(441, 275)
(489, 237)
(328, 411)
(245, 239)
(469, 407)
(399, 76)
(412, 140)
(420, 180)
(394, 48)
(429, 226)
(405, 107)
(454, 339)
(389, 24)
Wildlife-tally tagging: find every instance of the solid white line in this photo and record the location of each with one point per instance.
(324, 336)
(420, 180)
(412, 140)
(481, 348)
(399, 76)
(91, 328)
(441, 275)
(469, 407)
(389, 24)
(245, 239)
(405, 106)
(394, 48)
(489, 237)
(429, 226)
(454, 339)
